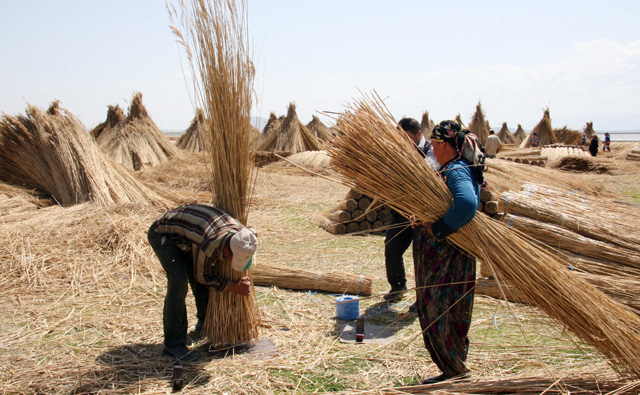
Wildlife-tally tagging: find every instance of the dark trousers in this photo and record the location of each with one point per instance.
(397, 239)
(178, 265)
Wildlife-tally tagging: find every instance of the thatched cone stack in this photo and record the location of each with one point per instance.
(505, 135)
(53, 153)
(520, 134)
(115, 119)
(191, 139)
(136, 143)
(544, 131)
(356, 214)
(479, 125)
(426, 125)
(399, 176)
(588, 130)
(291, 136)
(319, 129)
(567, 136)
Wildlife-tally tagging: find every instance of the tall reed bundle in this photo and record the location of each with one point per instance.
(568, 136)
(115, 119)
(520, 134)
(53, 153)
(426, 125)
(338, 282)
(478, 124)
(192, 139)
(544, 131)
(588, 129)
(137, 142)
(374, 158)
(217, 48)
(505, 135)
(291, 136)
(319, 129)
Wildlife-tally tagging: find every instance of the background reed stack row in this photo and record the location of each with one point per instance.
(634, 154)
(356, 213)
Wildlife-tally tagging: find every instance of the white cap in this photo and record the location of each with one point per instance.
(243, 246)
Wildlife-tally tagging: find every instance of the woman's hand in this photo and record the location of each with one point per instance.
(241, 287)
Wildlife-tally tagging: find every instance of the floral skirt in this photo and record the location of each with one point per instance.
(445, 283)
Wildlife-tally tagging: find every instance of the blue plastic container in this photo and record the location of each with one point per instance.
(347, 307)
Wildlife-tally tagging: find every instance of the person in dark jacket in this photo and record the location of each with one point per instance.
(593, 145)
(190, 241)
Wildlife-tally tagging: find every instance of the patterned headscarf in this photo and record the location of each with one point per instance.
(446, 131)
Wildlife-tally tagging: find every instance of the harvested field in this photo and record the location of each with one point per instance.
(83, 295)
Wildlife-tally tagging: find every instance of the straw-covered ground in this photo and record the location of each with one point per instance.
(83, 293)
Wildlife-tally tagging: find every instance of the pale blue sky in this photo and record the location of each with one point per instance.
(579, 58)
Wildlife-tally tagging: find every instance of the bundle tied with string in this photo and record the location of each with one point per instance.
(223, 72)
(374, 157)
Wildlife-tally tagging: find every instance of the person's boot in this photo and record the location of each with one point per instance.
(395, 294)
(180, 352)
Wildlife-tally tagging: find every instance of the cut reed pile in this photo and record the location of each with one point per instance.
(337, 282)
(555, 154)
(290, 136)
(478, 124)
(215, 40)
(192, 140)
(505, 135)
(136, 142)
(520, 135)
(372, 157)
(568, 136)
(53, 153)
(311, 160)
(581, 163)
(319, 129)
(544, 131)
(426, 125)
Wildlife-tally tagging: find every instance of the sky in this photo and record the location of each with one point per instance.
(580, 59)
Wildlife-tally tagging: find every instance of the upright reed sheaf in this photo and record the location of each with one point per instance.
(374, 158)
(214, 37)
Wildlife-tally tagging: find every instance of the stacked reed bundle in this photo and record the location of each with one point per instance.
(568, 136)
(136, 142)
(520, 134)
(310, 160)
(357, 213)
(53, 153)
(505, 135)
(217, 50)
(426, 125)
(588, 130)
(192, 139)
(634, 154)
(479, 125)
(290, 136)
(336, 282)
(377, 160)
(319, 129)
(544, 131)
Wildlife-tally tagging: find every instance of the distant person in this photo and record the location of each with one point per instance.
(607, 143)
(584, 139)
(400, 235)
(593, 145)
(492, 145)
(534, 140)
(190, 241)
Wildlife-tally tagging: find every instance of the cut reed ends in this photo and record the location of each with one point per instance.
(375, 158)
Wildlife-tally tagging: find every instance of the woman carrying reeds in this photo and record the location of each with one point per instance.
(445, 275)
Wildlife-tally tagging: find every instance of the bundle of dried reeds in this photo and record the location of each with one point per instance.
(544, 132)
(337, 282)
(135, 143)
(377, 160)
(217, 47)
(319, 129)
(426, 125)
(520, 134)
(478, 124)
(53, 153)
(192, 139)
(565, 135)
(290, 136)
(505, 135)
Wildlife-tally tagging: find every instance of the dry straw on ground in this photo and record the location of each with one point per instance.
(53, 153)
(374, 158)
(214, 37)
(135, 142)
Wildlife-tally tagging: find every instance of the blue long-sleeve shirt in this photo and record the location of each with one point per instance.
(462, 182)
